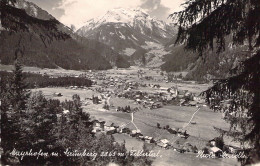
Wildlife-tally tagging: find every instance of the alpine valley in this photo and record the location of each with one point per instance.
(132, 33)
(123, 37)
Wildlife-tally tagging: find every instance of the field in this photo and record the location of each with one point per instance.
(146, 120)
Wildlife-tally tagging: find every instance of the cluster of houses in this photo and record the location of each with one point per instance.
(111, 128)
(162, 96)
(77, 87)
(178, 132)
(213, 150)
(93, 75)
(112, 81)
(129, 89)
(104, 127)
(147, 100)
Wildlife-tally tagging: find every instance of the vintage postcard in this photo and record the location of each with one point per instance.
(130, 82)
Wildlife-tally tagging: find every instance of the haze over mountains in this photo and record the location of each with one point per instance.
(120, 38)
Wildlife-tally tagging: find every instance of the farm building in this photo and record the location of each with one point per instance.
(126, 130)
(57, 94)
(172, 131)
(156, 105)
(163, 145)
(149, 139)
(233, 149)
(212, 142)
(215, 151)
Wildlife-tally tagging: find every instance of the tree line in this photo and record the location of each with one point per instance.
(33, 80)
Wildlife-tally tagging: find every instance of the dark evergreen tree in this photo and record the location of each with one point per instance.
(18, 92)
(204, 25)
(219, 142)
(10, 128)
(13, 92)
(143, 60)
(158, 125)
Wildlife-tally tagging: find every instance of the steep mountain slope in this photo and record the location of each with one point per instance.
(73, 53)
(178, 59)
(131, 32)
(214, 65)
(67, 54)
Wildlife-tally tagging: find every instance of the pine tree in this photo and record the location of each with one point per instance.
(143, 60)
(204, 25)
(19, 93)
(14, 94)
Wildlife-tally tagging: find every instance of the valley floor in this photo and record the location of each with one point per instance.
(146, 119)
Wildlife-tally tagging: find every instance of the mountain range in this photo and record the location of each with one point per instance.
(73, 53)
(119, 38)
(132, 33)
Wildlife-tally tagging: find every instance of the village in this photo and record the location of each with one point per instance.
(145, 106)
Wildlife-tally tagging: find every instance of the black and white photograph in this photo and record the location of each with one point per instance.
(130, 82)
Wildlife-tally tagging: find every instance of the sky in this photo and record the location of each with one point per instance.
(77, 12)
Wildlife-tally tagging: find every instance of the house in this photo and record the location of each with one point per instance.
(109, 124)
(233, 149)
(95, 123)
(141, 137)
(110, 130)
(165, 141)
(138, 135)
(193, 122)
(215, 151)
(181, 94)
(96, 126)
(126, 130)
(182, 101)
(180, 150)
(199, 99)
(163, 145)
(163, 89)
(102, 125)
(183, 134)
(192, 103)
(65, 111)
(149, 139)
(57, 94)
(135, 133)
(196, 98)
(138, 101)
(172, 131)
(187, 94)
(156, 105)
(212, 142)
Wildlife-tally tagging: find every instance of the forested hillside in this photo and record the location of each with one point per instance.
(202, 68)
(71, 53)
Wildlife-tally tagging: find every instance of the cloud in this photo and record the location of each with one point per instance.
(50, 6)
(79, 11)
(156, 9)
(174, 5)
(161, 9)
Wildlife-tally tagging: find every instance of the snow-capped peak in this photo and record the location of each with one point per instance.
(123, 15)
